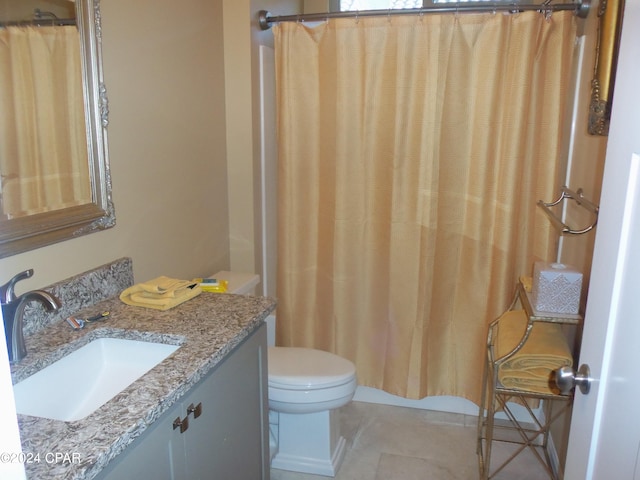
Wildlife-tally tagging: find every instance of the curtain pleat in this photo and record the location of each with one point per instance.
(412, 151)
(43, 142)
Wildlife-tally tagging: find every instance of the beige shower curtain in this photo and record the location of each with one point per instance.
(43, 144)
(412, 153)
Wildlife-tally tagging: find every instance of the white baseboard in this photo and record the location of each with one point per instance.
(443, 403)
(553, 458)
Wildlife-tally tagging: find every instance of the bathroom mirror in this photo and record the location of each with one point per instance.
(33, 228)
(610, 13)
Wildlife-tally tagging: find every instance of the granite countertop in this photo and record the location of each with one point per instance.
(207, 328)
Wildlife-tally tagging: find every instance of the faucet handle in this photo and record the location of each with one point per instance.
(7, 291)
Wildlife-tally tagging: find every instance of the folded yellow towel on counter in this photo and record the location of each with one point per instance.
(532, 367)
(161, 293)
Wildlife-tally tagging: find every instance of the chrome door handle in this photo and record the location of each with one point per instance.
(566, 379)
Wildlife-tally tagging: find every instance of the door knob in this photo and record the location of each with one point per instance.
(566, 379)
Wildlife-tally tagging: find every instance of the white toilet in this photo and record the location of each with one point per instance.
(306, 386)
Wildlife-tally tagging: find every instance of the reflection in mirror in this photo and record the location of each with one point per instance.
(610, 16)
(53, 117)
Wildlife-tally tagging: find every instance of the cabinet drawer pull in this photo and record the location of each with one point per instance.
(182, 423)
(197, 410)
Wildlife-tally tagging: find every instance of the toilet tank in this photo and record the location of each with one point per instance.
(245, 284)
(240, 283)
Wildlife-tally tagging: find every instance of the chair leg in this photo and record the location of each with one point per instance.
(485, 423)
(535, 438)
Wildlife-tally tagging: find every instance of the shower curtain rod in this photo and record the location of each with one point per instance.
(40, 19)
(59, 22)
(266, 20)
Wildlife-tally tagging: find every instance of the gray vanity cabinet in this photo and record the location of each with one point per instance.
(227, 432)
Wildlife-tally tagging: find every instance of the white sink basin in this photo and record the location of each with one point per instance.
(83, 381)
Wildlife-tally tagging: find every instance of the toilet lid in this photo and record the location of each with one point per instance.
(307, 367)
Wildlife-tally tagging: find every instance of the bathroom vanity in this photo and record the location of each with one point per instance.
(214, 431)
(200, 413)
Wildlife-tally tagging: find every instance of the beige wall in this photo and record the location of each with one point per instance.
(586, 167)
(185, 150)
(316, 6)
(164, 75)
(242, 41)
(240, 172)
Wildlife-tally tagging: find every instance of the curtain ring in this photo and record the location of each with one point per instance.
(546, 10)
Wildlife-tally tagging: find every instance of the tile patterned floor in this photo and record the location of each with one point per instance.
(396, 443)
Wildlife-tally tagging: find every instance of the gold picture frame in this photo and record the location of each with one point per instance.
(609, 25)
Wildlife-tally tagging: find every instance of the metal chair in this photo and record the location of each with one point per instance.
(532, 431)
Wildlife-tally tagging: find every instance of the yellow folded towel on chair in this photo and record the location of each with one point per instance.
(161, 293)
(532, 367)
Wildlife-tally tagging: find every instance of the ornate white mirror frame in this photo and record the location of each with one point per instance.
(30, 232)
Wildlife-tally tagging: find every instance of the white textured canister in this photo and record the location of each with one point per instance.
(556, 288)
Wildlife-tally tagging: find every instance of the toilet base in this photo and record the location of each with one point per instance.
(309, 443)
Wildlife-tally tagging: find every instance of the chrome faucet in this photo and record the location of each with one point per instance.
(13, 313)
(7, 291)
